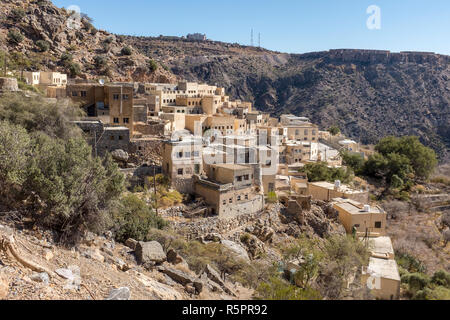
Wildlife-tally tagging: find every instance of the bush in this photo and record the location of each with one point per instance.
(441, 278)
(334, 130)
(15, 37)
(17, 14)
(55, 178)
(43, 45)
(100, 62)
(278, 289)
(134, 218)
(409, 262)
(74, 69)
(321, 172)
(152, 65)
(126, 51)
(353, 160)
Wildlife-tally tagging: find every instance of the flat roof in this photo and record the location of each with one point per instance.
(116, 128)
(230, 166)
(354, 207)
(343, 188)
(381, 245)
(383, 268)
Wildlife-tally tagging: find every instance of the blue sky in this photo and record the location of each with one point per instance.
(294, 26)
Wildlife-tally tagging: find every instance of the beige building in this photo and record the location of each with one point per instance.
(230, 190)
(368, 220)
(52, 83)
(326, 191)
(181, 160)
(303, 132)
(382, 278)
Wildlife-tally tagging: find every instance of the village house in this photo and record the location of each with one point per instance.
(52, 83)
(182, 159)
(326, 191)
(381, 276)
(368, 220)
(230, 190)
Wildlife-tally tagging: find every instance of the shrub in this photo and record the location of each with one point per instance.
(126, 51)
(15, 36)
(66, 57)
(441, 278)
(100, 62)
(74, 69)
(334, 130)
(152, 65)
(416, 282)
(409, 262)
(134, 218)
(277, 289)
(17, 14)
(43, 45)
(321, 172)
(353, 160)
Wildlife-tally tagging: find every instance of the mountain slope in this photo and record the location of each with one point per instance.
(36, 35)
(368, 94)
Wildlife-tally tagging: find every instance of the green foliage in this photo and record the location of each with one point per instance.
(126, 51)
(334, 130)
(272, 197)
(54, 178)
(441, 278)
(278, 289)
(134, 218)
(423, 160)
(15, 36)
(100, 62)
(43, 45)
(353, 160)
(17, 14)
(152, 65)
(74, 69)
(409, 262)
(321, 172)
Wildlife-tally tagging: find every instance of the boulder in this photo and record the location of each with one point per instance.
(119, 294)
(183, 278)
(8, 84)
(159, 290)
(214, 237)
(150, 252)
(93, 254)
(120, 155)
(131, 243)
(236, 248)
(40, 277)
(173, 257)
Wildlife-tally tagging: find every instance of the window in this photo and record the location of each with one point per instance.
(180, 172)
(180, 154)
(246, 197)
(111, 138)
(196, 154)
(74, 94)
(116, 120)
(120, 138)
(83, 93)
(246, 177)
(224, 202)
(125, 97)
(116, 97)
(126, 120)
(187, 154)
(231, 200)
(378, 224)
(239, 178)
(197, 169)
(238, 198)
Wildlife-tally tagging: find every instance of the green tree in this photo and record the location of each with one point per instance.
(353, 160)
(15, 36)
(334, 130)
(134, 218)
(126, 51)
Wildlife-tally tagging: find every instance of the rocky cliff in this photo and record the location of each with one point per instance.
(36, 35)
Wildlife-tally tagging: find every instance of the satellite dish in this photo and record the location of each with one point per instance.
(101, 81)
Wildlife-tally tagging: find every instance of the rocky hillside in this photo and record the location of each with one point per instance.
(368, 94)
(37, 35)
